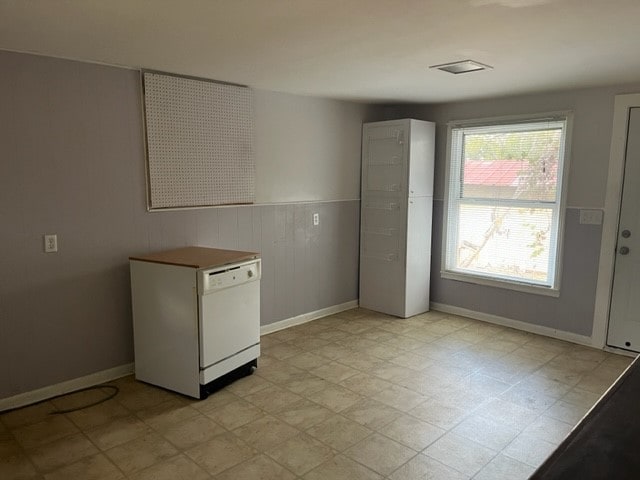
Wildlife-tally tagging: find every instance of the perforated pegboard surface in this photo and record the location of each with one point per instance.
(199, 142)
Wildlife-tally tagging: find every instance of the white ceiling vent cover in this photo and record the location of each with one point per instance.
(464, 66)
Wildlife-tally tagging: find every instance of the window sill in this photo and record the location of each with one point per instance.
(504, 284)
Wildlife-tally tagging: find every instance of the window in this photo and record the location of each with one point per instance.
(504, 202)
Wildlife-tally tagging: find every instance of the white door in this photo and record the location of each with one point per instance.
(624, 315)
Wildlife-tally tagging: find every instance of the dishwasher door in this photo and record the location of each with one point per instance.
(229, 316)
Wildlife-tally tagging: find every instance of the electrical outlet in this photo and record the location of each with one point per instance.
(50, 243)
(316, 219)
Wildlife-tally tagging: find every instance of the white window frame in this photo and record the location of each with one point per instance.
(558, 209)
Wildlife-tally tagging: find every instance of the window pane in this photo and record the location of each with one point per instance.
(505, 242)
(520, 165)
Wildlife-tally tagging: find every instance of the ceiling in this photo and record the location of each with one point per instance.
(365, 50)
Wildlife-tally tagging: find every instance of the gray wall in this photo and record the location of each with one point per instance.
(323, 136)
(590, 143)
(72, 164)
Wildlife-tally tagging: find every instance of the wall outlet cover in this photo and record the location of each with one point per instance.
(51, 243)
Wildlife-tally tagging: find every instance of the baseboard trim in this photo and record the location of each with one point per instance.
(517, 324)
(34, 396)
(620, 351)
(306, 317)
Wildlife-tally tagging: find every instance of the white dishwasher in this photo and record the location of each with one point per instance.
(229, 302)
(196, 317)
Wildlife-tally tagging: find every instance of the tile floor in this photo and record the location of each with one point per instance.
(357, 395)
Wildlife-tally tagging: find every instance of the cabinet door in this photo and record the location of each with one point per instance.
(384, 159)
(420, 160)
(382, 228)
(418, 268)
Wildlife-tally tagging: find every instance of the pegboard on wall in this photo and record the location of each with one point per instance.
(199, 142)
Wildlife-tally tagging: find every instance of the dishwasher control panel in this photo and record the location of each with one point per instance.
(228, 276)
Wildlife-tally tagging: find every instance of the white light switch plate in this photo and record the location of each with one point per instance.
(591, 217)
(316, 219)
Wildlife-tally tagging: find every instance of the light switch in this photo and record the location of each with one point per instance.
(590, 217)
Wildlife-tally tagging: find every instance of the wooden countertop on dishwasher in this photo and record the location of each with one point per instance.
(197, 257)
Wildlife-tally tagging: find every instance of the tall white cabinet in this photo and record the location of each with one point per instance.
(396, 210)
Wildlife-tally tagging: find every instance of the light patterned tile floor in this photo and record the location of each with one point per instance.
(357, 395)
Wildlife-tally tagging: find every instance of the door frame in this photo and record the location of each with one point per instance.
(613, 201)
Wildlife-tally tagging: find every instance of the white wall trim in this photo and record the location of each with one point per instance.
(517, 324)
(306, 317)
(611, 215)
(255, 204)
(34, 396)
(577, 207)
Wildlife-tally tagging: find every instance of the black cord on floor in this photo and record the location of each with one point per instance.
(114, 392)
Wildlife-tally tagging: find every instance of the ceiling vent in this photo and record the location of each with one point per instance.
(464, 66)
